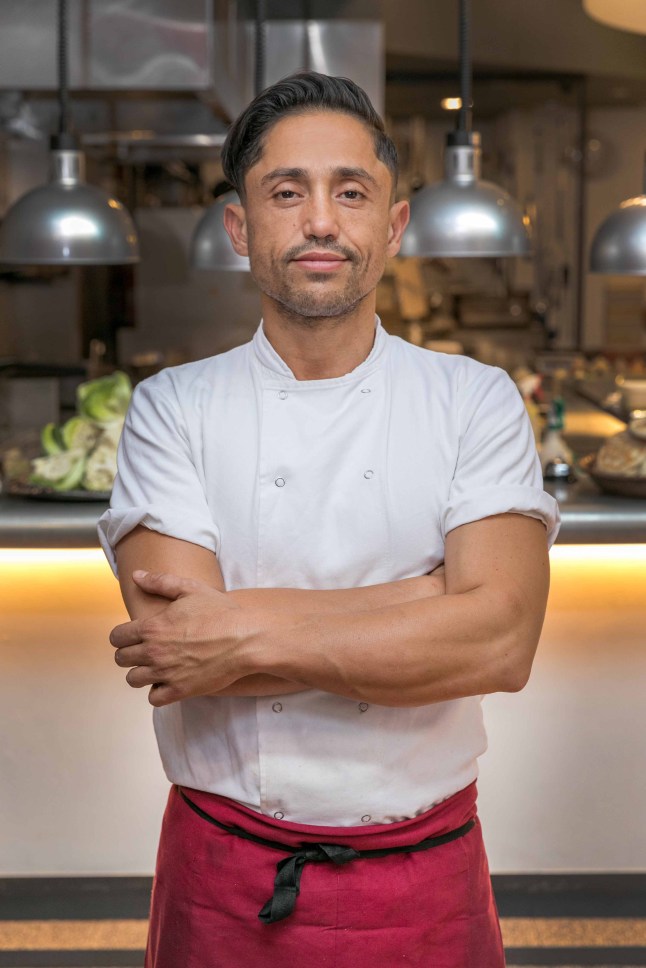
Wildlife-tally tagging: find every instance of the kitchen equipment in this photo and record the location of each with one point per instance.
(613, 483)
(462, 216)
(67, 222)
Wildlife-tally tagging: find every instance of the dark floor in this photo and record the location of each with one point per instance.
(560, 920)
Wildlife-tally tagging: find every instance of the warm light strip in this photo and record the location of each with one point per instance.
(598, 552)
(559, 552)
(50, 556)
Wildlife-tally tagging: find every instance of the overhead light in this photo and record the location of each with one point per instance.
(619, 244)
(622, 14)
(210, 245)
(463, 216)
(67, 222)
(451, 103)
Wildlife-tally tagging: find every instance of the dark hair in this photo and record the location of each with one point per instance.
(297, 94)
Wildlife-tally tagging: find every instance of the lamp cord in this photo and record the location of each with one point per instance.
(63, 93)
(261, 16)
(464, 36)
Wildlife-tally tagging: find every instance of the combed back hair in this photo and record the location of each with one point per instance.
(297, 94)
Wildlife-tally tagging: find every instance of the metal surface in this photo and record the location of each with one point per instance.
(114, 44)
(35, 524)
(464, 217)
(346, 48)
(619, 244)
(588, 517)
(211, 246)
(68, 222)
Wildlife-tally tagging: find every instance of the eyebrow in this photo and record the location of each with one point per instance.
(299, 174)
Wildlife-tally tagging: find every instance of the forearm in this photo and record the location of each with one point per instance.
(338, 600)
(409, 654)
(322, 602)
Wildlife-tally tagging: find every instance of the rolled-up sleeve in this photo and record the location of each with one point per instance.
(497, 469)
(157, 484)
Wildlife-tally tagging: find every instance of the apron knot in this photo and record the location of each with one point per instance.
(287, 884)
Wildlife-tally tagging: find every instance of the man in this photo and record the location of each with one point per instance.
(278, 524)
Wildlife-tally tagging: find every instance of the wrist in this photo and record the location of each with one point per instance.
(255, 654)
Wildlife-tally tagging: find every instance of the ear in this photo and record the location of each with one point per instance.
(235, 222)
(397, 222)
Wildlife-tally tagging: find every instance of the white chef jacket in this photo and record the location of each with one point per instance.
(332, 483)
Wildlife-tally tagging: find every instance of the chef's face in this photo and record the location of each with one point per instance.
(318, 221)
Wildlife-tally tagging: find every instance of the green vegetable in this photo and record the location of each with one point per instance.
(105, 399)
(51, 439)
(62, 472)
(101, 468)
(80, 433)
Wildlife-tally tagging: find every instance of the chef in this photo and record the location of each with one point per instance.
(331, 545)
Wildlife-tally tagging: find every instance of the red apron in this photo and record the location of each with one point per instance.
(431, 909)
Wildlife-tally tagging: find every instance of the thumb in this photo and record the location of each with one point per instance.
(168, 586)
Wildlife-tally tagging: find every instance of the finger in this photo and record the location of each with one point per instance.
(166, 585)
(127, 634)
(141, 676)
(162, 695)
(134, 655)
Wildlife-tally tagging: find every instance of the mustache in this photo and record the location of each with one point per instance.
(300, 250)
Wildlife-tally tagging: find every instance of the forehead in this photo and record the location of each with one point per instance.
(319, 141)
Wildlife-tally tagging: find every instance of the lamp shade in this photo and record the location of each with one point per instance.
(463, 217)
(622, 14)
(68, 222)
(211, 246)
(619, 245)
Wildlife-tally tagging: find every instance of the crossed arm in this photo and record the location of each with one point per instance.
(405, 643)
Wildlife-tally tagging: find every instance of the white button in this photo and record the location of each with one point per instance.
(278, 815)
(365, 819)
(280, 482)
(277, 707)
(365, 390)
(283, 394)
(368, 474)
(363, 706)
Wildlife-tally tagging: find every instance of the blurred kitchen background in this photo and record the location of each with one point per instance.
(560, 101)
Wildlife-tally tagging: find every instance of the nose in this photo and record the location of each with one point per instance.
(320, 217)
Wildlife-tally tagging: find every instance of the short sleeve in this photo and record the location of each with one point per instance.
(498, 469)
(157, 484)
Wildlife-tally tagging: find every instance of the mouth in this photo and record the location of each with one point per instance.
(321, 261)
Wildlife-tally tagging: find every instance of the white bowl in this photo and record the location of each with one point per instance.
(633, 393)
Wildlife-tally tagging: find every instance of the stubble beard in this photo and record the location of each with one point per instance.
(309, 305)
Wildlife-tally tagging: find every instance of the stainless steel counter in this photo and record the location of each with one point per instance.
(589, 517)
(29, 523)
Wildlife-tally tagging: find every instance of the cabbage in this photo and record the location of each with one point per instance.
(51, 439)
(62, 472)
(79, 433)
(101, 468)
(105, 399)
(83, 452)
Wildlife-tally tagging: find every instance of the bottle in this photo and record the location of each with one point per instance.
(554, 450)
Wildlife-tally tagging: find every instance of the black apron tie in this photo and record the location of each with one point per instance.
(287, 883)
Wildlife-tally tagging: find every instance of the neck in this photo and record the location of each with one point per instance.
(321, 348)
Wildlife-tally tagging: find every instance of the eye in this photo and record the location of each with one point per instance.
(352, 194)
(286, 194)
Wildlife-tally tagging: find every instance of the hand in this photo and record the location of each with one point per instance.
(189, 648)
